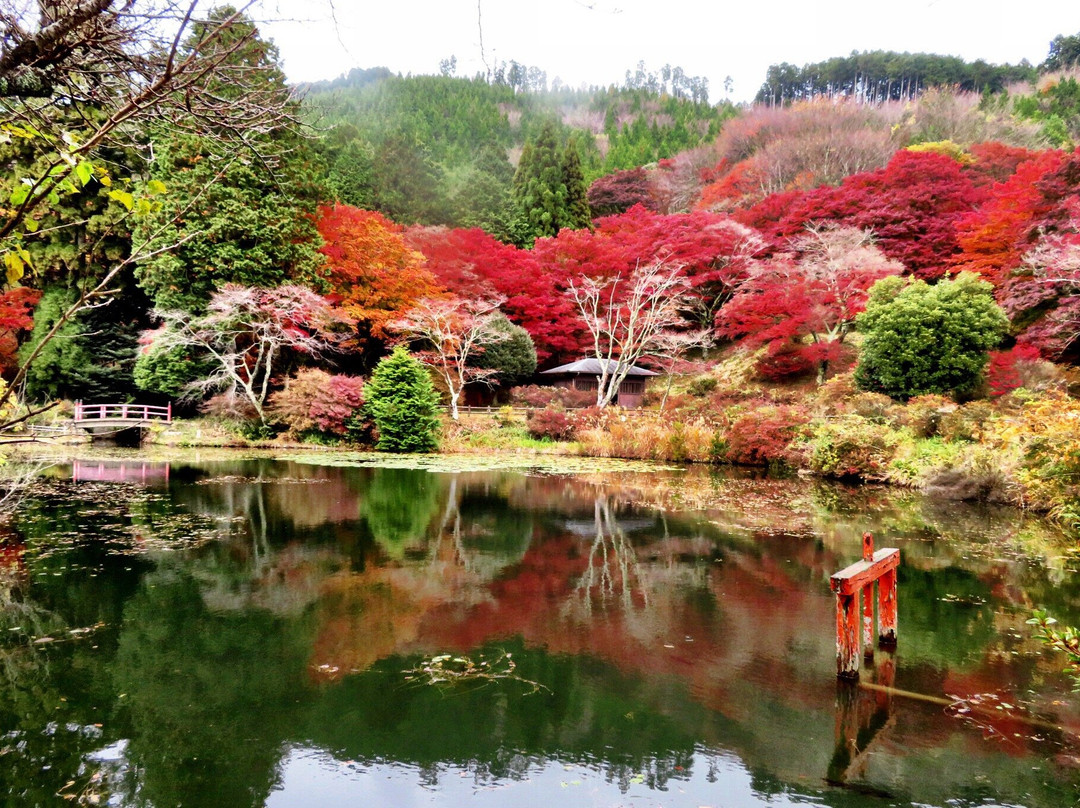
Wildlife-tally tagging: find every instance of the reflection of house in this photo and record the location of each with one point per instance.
(585, 375)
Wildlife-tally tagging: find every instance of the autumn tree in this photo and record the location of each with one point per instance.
(374, 276)
(1042, 296)
(450, 332)
(912, 205)
(994, 237)
(715, 252)
(618, 192)
(243, 336)
(628, 317)
(803, 304)
(472, 263)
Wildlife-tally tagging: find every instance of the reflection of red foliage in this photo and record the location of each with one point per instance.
(11, 555)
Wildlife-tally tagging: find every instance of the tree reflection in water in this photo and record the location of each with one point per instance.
(676, 653)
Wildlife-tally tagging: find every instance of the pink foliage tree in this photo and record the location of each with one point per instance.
(803, 304)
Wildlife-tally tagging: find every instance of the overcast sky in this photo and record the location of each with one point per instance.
(586, 42)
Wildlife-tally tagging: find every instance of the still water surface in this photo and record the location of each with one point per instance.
(252, 632)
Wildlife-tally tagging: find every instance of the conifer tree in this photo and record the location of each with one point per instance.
(402, 401)
(539, 192)
(240, 211)
(577, 214)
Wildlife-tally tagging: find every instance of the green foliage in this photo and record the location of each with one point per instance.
(402, 401)
(1057, 108)
(236, 216)
(514, 357)
(447, 138)
(408, 182)
(1065, 640)
(852, 447)
(350, 175)
(577, 214)
(923, 339)
(885, 75)
(167, 371)
(93, 355)
(1064, 53)
(539, 191)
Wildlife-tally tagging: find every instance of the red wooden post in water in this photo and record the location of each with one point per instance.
(854, 588)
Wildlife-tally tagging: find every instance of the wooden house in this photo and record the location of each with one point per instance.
(585, 375)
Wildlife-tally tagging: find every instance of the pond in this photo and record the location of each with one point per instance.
(289, 632)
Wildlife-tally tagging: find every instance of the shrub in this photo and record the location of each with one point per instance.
(402, 401)
(979, 475)
(1046, 436)
(834, 393)
(783, 360)
(923, 414)
(874, 407)
(551, 422)
(966, 423)
(853, 447)
(927, 339)
(513, 356)
(538, 396)
(314, 401)
(702, 386)
(763, 437)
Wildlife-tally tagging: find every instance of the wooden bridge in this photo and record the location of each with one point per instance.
(107, 419)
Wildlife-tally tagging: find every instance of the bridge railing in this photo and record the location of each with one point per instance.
(122, 412)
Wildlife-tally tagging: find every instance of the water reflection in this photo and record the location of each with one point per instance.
(239, 637)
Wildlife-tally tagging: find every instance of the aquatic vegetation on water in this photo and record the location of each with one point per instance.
(445, 463)
(451, 670)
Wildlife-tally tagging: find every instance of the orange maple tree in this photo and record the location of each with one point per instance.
(375, 277)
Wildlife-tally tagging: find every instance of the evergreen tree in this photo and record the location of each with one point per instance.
(92, 356)
(409, 185)
(402, 401)
(484, 197)
(577, 214)
(240, 212)
(923, 339)
(514, 357)
(539, 192)
(350, 176)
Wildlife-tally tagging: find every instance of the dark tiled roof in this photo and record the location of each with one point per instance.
(593, 367)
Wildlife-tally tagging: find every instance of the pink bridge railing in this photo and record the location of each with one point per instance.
(122, 412)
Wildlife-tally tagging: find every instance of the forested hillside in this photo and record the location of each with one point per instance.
(443, 149)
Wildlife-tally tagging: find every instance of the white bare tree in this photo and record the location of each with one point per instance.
(454, 330)
(244, 333)
(628, 318)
